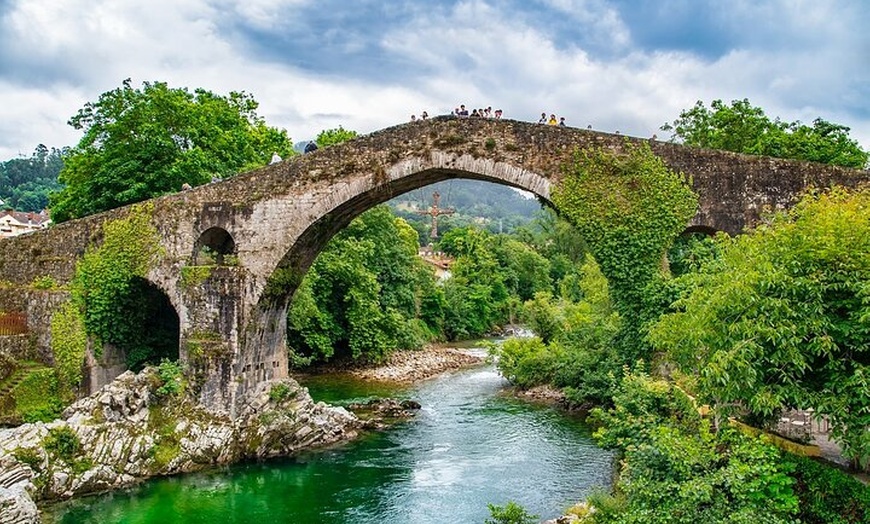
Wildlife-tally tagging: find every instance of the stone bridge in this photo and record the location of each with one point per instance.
(275, 220)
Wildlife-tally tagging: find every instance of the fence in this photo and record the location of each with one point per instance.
(13, 323)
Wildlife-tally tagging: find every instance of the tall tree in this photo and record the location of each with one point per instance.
(142, 143)
(744, 128)
(365, 295)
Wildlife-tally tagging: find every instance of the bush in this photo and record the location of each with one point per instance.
(829, 496)
(63, 443)
(510, 513)
(172, 378)
(28, 456)
(279, 392)
(37, 397)
(526, 362)
(677, 470)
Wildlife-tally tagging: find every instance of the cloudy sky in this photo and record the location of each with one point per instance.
(626, 65)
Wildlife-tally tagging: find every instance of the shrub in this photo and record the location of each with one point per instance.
(526, 362)
(63, 443)
(172, 378)
(829, 496)
(28, 456)
(37, 397)
(279, 392)
(510, 513)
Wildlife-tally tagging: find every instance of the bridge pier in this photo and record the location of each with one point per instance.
(224, 358)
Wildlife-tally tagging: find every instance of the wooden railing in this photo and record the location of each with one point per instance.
(14, 323)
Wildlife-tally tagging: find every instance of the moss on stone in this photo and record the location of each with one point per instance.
(194, 276)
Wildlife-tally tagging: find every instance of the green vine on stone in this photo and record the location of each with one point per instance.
(103, 290)
(629, 208)
(69, 342)
(193, 276)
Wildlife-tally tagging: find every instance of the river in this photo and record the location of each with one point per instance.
(469, 446)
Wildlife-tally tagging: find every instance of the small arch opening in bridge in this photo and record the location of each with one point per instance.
(158, 325)
(215, 247)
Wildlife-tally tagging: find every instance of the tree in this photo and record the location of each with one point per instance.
(365, 295)
(142, 143)
(676, 469)
(781, 318)
(743, 128)
(331, 137)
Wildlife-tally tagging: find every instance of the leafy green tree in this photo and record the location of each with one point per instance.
(331, 137)
(543, 316)
(629, 208)
(579, 354)
(142, 143)
(366, 294)
(557, 240)
(526, 362)
(588, 363)
(743, 128)
(526, 272)
(476, 295)
(780, 318)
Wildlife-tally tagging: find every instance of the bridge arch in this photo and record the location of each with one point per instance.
(337, 211)
(213, 246)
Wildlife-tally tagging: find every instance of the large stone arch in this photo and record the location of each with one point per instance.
(333, 213)
(265, 354)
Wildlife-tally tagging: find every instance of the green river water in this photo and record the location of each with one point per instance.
(468, 446)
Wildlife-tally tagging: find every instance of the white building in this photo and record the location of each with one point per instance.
(13, 223)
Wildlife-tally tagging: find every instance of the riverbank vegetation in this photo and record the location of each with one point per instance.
(634, 322)
(774, 319)
(771, 320)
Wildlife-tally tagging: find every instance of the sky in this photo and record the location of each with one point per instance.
(618, 65)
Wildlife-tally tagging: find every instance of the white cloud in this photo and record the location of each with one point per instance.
(473, 52)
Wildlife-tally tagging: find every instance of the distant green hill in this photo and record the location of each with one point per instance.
(25, 182)
(492, 206)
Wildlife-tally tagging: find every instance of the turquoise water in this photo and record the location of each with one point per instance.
(469, 446)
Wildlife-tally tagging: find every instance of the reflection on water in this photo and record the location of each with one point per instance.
(467, 447)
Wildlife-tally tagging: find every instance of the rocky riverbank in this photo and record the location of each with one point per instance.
(128, 431)
(405, 367)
